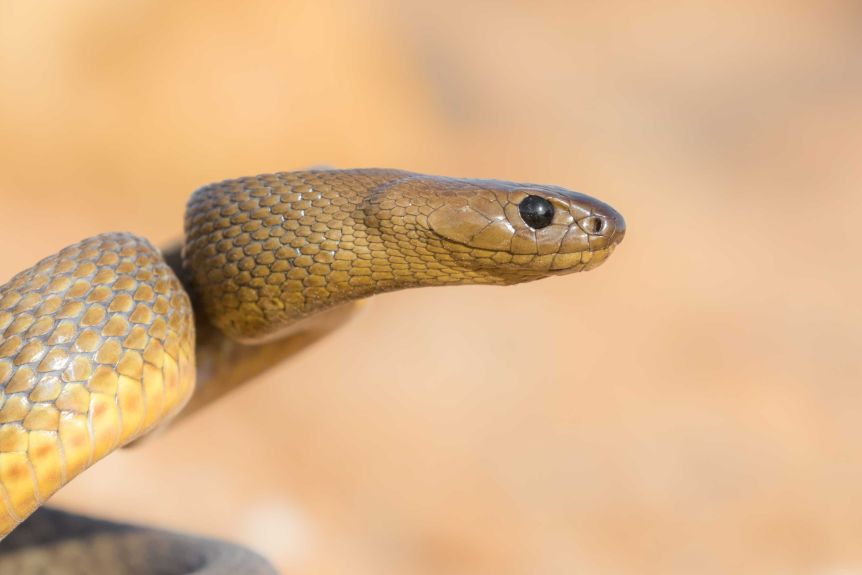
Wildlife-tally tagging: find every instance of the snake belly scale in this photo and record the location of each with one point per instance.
(98, 342)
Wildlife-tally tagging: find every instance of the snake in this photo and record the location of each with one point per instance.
(111, 338)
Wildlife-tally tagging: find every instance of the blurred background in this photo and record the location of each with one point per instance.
(693, 406)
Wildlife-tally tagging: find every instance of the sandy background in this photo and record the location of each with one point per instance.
(693, 406)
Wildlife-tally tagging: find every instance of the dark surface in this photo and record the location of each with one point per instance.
(58, 543)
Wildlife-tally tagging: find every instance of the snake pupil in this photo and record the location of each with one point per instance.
(537, 212)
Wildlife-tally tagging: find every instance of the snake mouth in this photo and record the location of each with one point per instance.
(564, 264)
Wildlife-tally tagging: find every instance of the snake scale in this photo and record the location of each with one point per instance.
(109, 338)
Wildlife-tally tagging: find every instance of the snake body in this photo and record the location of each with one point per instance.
(98, 342)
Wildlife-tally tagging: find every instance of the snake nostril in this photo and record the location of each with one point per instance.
(594, 225)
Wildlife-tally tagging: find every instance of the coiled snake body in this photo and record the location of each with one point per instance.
(108, 339)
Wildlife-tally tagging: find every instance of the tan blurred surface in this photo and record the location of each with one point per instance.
(693, 406)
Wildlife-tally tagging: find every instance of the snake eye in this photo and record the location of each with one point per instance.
(537, 212)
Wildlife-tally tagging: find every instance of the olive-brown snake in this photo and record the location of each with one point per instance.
(108, 339)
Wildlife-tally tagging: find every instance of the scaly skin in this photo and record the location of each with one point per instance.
(98, 344)
(97, 349)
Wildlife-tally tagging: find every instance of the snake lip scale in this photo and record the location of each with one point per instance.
(108, 339)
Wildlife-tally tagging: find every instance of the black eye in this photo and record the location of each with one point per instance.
(537, 212)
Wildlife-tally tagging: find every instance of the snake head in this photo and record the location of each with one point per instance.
(508, 232)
